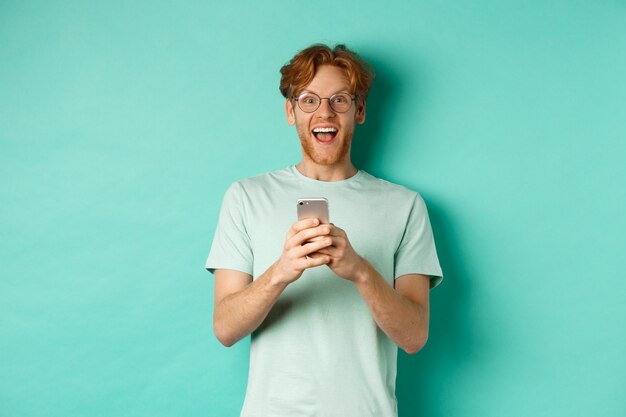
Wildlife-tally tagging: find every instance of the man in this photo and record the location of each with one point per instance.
(327, 304)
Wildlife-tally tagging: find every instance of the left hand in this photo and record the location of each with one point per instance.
(344, 261)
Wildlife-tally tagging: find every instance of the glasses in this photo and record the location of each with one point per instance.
(340, 102)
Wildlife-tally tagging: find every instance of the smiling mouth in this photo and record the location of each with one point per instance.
(325, 134)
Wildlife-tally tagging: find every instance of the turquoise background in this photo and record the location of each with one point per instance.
(123, 123)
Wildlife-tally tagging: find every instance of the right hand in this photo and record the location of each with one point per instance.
(298, 244)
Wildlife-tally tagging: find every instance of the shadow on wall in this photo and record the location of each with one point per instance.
(451, 338)
(368, 142)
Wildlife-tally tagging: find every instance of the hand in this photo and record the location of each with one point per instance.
(344, 261)
(305, 237)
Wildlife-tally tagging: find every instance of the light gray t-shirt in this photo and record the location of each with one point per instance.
(319, 352)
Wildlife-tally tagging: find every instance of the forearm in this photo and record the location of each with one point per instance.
(402, 320)
(239, 314)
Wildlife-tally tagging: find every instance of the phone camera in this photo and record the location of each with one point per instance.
(301, 203)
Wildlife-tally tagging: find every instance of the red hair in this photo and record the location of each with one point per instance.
(299, 72)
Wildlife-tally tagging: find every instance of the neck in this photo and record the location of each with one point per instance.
(335, 172)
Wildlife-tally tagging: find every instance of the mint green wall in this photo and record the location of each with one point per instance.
(122, 124)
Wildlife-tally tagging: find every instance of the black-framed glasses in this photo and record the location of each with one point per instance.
(309, 102)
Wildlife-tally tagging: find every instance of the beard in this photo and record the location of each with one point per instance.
(311, 149)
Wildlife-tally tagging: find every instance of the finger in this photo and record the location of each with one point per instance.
(304, 250)
(327, 251)
(307, 234)
(315, 239)
(336, 231)
(313, 262)
(301, 225)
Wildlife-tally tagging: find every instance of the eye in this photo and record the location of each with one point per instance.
(308, 99)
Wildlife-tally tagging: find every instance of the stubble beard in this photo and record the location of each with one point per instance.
(307, 141)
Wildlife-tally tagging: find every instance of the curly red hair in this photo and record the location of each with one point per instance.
(299, 72)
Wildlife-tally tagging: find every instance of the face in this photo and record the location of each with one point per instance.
(326, 148)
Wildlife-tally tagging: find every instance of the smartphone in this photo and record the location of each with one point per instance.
(316, 207)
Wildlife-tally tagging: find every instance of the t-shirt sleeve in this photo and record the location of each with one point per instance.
(231, 247)
(417, 253)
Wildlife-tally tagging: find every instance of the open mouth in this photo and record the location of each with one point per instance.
(325, 134)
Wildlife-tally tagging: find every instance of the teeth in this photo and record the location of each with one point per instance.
(324, 129)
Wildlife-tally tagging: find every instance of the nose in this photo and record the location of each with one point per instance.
(325, 110)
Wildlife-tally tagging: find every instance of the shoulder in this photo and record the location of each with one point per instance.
(391, 190)
(259, 182)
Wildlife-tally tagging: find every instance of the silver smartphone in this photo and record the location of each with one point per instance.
(316, 207)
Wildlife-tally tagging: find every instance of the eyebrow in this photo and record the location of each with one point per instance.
(344, 90)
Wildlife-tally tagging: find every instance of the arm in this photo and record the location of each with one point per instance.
(402, 313)
(242, 304)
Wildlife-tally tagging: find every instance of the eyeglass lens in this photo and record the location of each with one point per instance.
(309, 102)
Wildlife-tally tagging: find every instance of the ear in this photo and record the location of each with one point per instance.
(359, 117)
(289, 112)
